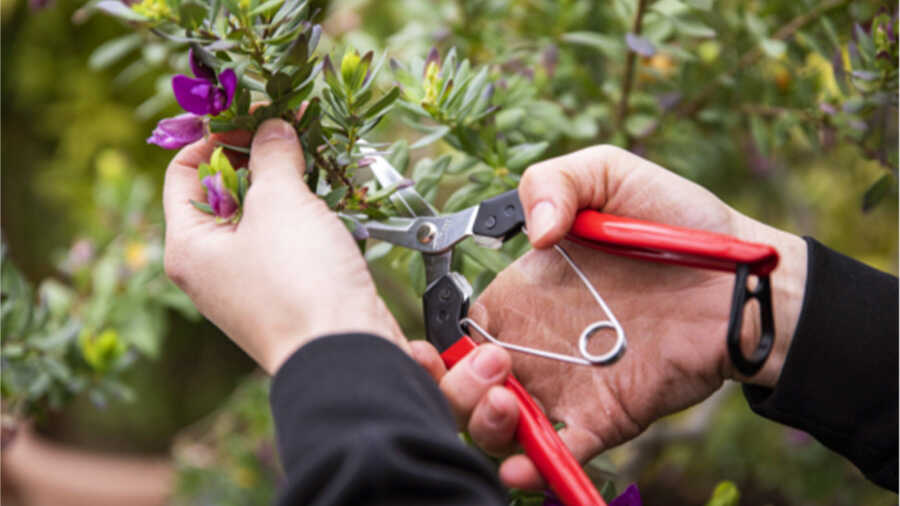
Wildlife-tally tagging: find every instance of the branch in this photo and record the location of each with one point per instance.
(628, 78)
(749, 58)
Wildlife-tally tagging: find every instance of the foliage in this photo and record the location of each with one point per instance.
(77, 334)
(230, 457)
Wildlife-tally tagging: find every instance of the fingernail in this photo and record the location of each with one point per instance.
(274, 129)
(487, 364)
(543, 217)
(495, 414)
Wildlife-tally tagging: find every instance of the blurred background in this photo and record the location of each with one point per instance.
(786, 110)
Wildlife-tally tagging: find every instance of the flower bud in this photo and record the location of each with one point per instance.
(177, 132)
(220, 199)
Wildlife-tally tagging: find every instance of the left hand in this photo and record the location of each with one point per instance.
(288, 272)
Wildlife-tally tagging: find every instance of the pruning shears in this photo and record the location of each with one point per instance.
(497, 219)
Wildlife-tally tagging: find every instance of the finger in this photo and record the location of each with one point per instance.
(519, 471)
(553, 190)
(464, 385)
(493, 422)
(275, 153)
(428, 357)
(181, 183)
(276, 174)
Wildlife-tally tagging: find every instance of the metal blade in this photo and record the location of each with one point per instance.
(428, 234)
(407, 200)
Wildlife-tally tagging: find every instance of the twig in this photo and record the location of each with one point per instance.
(628, 78)
(749, 58)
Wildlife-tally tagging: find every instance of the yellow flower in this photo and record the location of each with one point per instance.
(135, 255)
(101, 350)
(153, 9)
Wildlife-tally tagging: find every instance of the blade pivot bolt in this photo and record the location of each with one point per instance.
(426, 233)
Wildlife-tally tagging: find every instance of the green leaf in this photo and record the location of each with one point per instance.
(692, 28)
(59, 338)
(877, 192)
(670, 8)
(704, 5)
(523, 154)
(144, 329)
(598, 41)
(377, 251)
(203, 170)
(114, 50)
(203, 206)
(865, 43)
(464, 197)
(40, 385)
(118, 9)
(219, 163)
(278, 85)
(398, 155)
(773, 48)
(725, 494)
(57, 297)
(638, 125)
(435, 135)
(105, 276)
(335, 196)
(191, 13)
(56, 368)
(265, 7)
(243, 176)
(386, 101)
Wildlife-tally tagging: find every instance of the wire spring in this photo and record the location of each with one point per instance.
(587, 358)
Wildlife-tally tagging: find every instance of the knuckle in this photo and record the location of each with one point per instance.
(605, 152)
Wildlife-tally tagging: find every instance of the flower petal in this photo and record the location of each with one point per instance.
(193, 95)
(174, 133)
(218, 197)
(201, 69)
(630, 497)
(228, 80)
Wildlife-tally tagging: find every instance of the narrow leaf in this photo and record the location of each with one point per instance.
(437, 134)
(877, 192)
(203, 206)
(118, 9)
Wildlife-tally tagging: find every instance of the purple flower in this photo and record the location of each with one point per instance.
(630, 497)
(204, 94)
(174, 133)
(219, 198)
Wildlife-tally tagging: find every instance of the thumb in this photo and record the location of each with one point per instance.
(275, 152)
(554, 190)
(276, 169)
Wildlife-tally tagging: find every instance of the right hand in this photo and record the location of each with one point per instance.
(675, 317)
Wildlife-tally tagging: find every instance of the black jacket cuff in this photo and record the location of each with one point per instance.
(839, 380)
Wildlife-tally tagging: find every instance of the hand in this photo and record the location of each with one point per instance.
(287, 273)
(675, 317)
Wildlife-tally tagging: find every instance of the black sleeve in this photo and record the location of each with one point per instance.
(839, 381)
(359, 422)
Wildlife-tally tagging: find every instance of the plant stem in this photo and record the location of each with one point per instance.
(749, 58)
(628, 78)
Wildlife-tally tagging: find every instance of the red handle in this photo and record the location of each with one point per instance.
(540, 441)
(675, 245)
